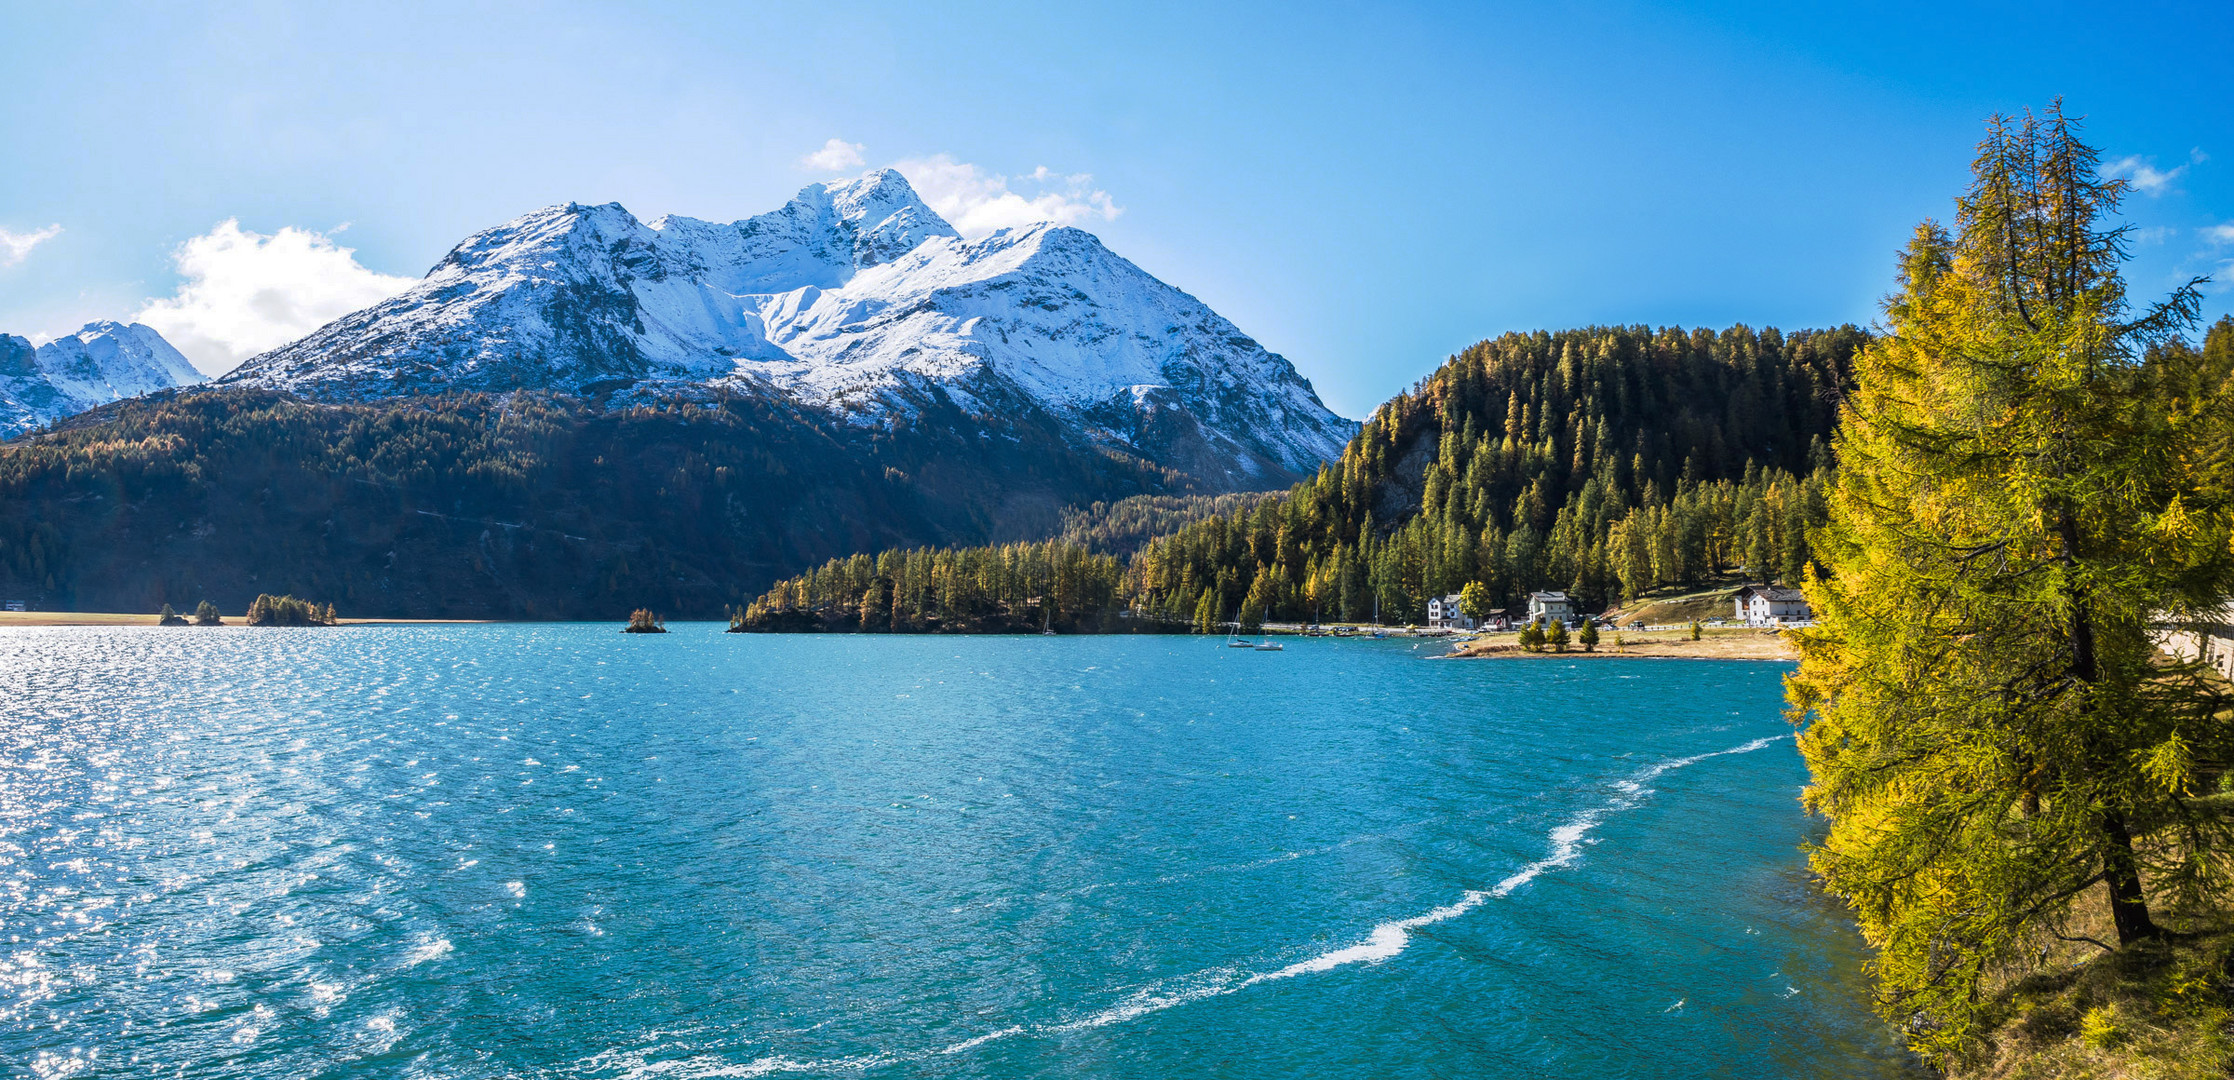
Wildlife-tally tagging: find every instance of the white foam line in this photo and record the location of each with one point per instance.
(708, 1067)
(1384, 943)
(1390, 938)
(972, 1044)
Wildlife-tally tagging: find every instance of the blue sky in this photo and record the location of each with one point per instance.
(1364, 189)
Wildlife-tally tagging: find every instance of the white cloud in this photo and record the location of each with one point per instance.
(2144, 177)
(246, 292)
(2222, 282)
(837, 155)
(2222, 233)
(15, 246)
(976, 202)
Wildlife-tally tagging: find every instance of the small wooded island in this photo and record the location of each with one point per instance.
(269, 610)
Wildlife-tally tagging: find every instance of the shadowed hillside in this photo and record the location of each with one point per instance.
(535, 506)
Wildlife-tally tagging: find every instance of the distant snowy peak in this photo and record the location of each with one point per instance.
(820, 238)
(111, 360)
(101, 363)
(853, 296)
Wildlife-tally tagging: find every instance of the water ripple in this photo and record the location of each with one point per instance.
(557, 851)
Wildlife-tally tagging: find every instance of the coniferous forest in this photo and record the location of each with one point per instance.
(524, 505)
(1605, 461)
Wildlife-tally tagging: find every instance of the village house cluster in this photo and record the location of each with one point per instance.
(1445, 613)
(1753, 605)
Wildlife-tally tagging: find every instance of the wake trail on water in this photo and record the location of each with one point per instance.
(1390, 938)
(1384, 942)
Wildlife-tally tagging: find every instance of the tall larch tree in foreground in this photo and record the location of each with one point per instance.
(2031, 481)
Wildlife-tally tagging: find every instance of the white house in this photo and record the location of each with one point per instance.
(1546, 606)
(1771, 605)
(1443, 613)
(2209, 639)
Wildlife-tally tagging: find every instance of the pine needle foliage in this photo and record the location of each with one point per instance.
(2030, 480)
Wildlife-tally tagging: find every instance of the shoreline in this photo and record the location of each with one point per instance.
(119, 618)
(1745, 644)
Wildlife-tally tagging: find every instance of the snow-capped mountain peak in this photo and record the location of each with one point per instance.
(854, 295)
(103, 362)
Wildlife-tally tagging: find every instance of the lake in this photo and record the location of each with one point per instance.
(561, 851)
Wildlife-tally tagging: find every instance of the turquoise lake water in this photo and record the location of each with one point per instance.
(560, 851)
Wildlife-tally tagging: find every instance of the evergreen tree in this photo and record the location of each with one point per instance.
(1589, 636)
(1253, 606)
(1474, 602)
(2029, 477)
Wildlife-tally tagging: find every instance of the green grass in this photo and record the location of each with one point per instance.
(1683, 603)
(2159, 1010)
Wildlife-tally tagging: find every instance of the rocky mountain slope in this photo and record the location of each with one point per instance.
(101, 363)
(855, 299)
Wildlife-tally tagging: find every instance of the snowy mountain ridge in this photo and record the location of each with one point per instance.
(101, 363)
(856, 297)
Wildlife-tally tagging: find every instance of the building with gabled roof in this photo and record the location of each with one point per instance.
(1547, 606)
(1771, 605)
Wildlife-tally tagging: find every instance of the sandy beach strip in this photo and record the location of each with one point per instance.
(1730, 644)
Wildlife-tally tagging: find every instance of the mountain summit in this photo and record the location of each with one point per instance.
(853, 297)
(101, 363)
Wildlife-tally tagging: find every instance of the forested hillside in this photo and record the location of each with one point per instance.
(523, 506)
(1605, 461)
(1124, 526)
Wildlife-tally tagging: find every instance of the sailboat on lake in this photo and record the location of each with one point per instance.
(1234, 640)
